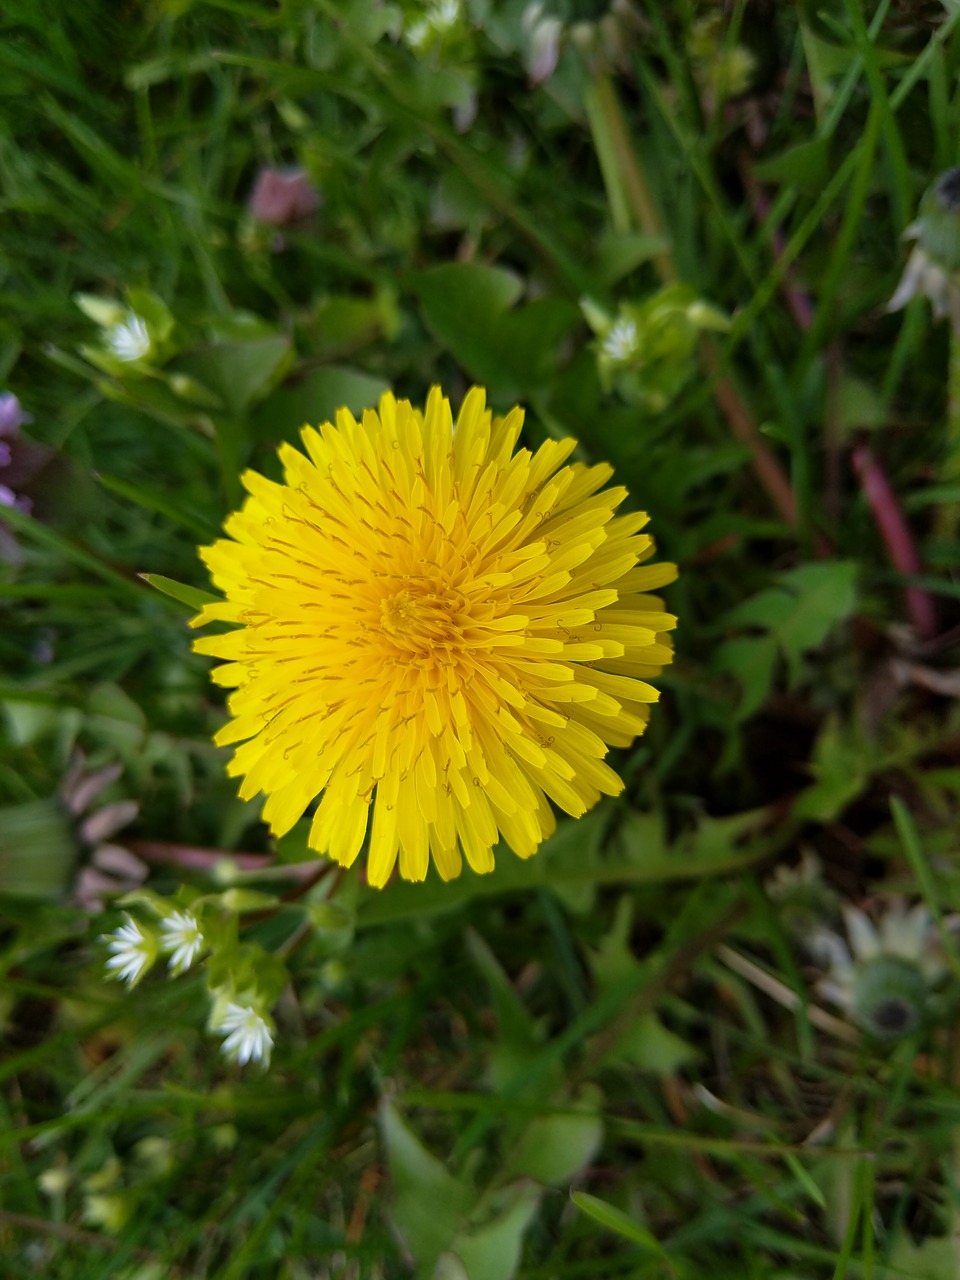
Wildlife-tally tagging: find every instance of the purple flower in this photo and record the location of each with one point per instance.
(12, 416)
(282, 196)
(10, 499)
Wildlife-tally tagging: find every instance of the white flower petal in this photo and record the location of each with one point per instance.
(248, 1034)
(864, 939)
(132, 952)
(129, 340)
(182, 938)
(620, 342)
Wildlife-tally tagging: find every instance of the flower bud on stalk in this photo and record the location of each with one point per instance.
(933, 269)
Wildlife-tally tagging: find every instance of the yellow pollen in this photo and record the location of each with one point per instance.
(417, 621)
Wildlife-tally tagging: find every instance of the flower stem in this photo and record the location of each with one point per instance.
(948, 513)
(625, 180)
(896, 535)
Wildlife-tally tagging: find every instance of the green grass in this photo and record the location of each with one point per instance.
(611, 1060)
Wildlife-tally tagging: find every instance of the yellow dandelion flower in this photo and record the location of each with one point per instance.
(435, 627)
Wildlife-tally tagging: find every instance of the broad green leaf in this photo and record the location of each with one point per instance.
(315, 398)
(826, 594)
(801, 611)
(651, 1046)
(841, 766)
(752, 660)
(427, 1203)
(492, 1252)
(518, 1039)
(806, 165)
(935, 1258)
(344, 323)
(239, 372)
(469, 309)
(619, 254)
(554, 1148)
(37, 850)
(109, 701)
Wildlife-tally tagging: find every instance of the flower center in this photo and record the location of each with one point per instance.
(420, 621)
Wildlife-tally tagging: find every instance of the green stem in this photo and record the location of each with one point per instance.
(948, 513)
(612, 138)
(628, 180)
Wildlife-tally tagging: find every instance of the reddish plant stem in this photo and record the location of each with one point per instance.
(744, 429)
(895, 532)
(200, 859)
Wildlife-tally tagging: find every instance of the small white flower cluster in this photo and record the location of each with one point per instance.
(133, 952)
(620, 340)
(134, 948)
(242, 1019)
(436, 22)
(183, 939)
(129, 338)
(248, 1030)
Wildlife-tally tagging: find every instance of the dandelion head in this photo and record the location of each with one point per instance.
(433, 635)
(884, 974)
(889, 997)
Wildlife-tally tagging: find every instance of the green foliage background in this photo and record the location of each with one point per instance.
(608, 1061)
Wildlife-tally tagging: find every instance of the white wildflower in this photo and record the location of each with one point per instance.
(416, 34)
(248, 1033)
(445, 15)
(435, 22)
(129, 340)
(883, 976)
(133, 952)
(620, 341)
(182, 938)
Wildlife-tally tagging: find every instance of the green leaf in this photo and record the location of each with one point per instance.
(752, 660)
(619, 254)
(428, 1204)
(243, 900)
(314, 398)
(826, 594)
(806, 165)
(650, 1046)
(193, 597)
(802, 609)
(518, 1040)
(615, 1220)
(198, 526)
(468, 308)
(553, 1149)
(841, 765)
(37, 850)
(493, 1251)
(239, 372)
(932, 1259)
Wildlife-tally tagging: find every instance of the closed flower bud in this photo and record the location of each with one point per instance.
(933, 268)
